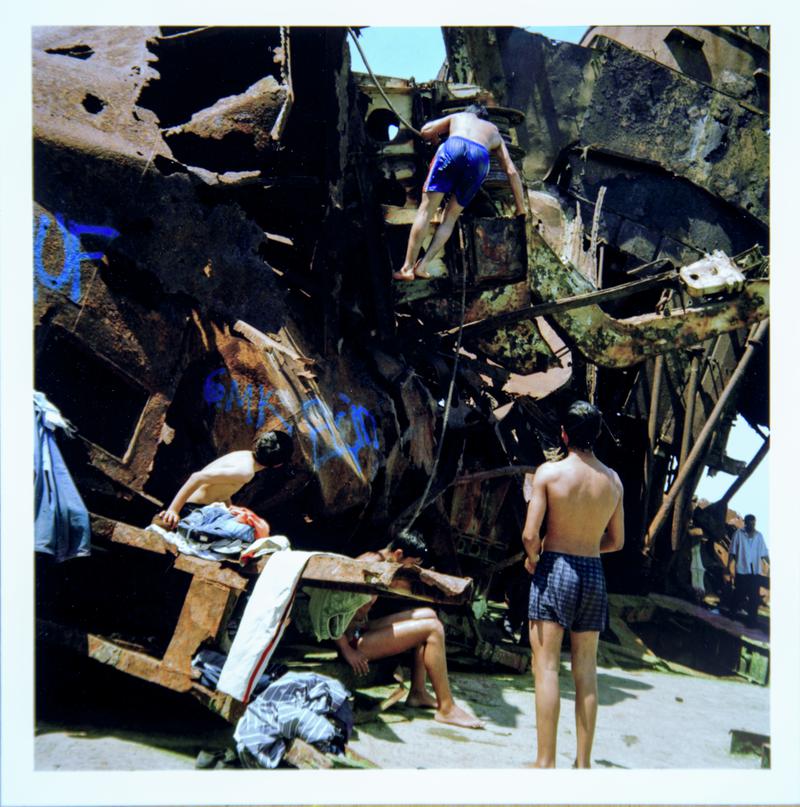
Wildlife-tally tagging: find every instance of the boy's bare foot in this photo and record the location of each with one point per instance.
(456, 716)
(404, 274)
(422, 274)
(420, 700)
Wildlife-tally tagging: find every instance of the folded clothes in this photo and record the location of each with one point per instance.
(215, 522)
(185, 546)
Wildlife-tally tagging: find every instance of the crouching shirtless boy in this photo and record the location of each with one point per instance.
(417, 629)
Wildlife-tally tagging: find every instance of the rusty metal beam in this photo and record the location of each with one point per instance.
(226, 706)
(127, 660)
(205, 613)
(652, 422)
(747, 472)
(326, 570)
(387, 578)
(120, 533)
(212, 571)
(569, 303)
(733, 383)
(618, 343)
(686, 436)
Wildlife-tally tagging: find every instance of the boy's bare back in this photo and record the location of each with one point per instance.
(223, 477)
(583, 500)
(463, 124)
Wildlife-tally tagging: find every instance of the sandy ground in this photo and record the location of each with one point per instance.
(103, 720)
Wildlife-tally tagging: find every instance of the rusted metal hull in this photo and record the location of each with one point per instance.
(205, 270)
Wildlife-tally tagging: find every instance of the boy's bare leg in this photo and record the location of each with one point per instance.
(584, 672)
(404, 634)
(440, 237)
(546, 640)
(419, 229)
(418, 695)
(402, 616)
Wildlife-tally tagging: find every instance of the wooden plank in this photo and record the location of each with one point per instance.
(324, 569)
(136, 663)
(752, 636)
(141, 539)
(226, 706)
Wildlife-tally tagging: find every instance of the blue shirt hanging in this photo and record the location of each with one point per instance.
(62, 520)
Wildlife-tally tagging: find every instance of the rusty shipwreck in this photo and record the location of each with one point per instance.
(213, 246)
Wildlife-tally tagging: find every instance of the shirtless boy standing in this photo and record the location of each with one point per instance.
(460, 166)
(226, 475)
(582, 499)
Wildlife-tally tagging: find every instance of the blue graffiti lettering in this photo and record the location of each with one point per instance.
(70, 273)
(358, 417)
(264, 401)
(348, 431)
(323, 414)
(213, 391)
(233, 395)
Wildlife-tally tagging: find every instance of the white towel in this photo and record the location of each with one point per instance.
(263, 623)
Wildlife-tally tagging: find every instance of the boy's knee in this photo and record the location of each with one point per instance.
(585, 678)
(436, 629)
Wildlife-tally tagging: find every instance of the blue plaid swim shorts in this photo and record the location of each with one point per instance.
(570, 590)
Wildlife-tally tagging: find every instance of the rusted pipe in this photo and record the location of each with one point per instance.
(569, 303)
(747, 472)
(702, 439)
(655, 395)
(686, 436)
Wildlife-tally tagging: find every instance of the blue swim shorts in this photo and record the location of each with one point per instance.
(570, 590)
(460, 166)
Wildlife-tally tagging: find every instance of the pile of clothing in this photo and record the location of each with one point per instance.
(313, 707)
(221, 532)
(287, 705)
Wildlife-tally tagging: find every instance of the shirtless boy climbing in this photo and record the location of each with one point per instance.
(582, 500)
(459, 167)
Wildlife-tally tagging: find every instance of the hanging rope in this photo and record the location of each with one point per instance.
(423, 500)
(380, 89)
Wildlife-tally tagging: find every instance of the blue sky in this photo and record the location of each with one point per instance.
(419, 52)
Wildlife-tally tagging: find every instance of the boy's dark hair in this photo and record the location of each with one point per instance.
(749, 517)
(479, 110)
(272, 448)
(411, 542)
(582, 424)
